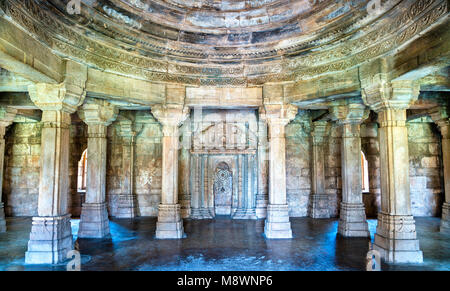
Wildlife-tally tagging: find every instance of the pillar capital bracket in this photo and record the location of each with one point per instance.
(320, 131)
(278, 113)
(98, 112)
(7, 115)
(58, 97)
(128, 127)
(441, 116)
(397, 95)
(349, 113)
(171, 116)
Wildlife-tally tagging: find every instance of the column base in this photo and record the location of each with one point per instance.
(352, 221)
(50, 240)
(261, 206)
(170, 223)
(245, 214)
(318, 207)
(127, 206)
(185, 203)
(201, 213)
(94, 222)
(445, 220)
(2, 218)
(277, 222)
(396, 239)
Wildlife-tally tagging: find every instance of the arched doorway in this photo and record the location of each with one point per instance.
(223, 189)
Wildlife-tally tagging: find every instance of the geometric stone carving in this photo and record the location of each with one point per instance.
(352, 220)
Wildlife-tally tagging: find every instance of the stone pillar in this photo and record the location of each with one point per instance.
(318, 207)
(396, 237)
(170, 223)
(262, 197)
(127, 202)
(277, 222)
(352, 220)
(441, 118)
(7, 115)
(98, 115)
(185, 171)
(51, 233)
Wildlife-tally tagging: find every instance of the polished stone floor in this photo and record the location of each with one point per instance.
(224, 244)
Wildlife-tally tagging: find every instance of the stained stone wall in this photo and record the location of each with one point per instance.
(22, 165)
(425, 167)
(147, 166)
(298, 173)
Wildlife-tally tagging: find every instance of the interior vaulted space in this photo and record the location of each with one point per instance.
(200, 134)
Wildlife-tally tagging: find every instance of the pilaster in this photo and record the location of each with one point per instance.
(318, 206)
(277, 117)
(98, 115)
(170, 223)
(441, 117)
(7, 115)
(352, 219)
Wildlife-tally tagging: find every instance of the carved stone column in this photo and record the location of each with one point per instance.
(352, 220)
(277, 222)
(98, 115)
(396, 237)
(51, 233)
(170, 223)
(185, 171)
(318, 207)
(7, 115)
(441, 118)
(262, 197)
(127, 203)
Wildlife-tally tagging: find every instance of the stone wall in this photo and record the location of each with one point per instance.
(298, 173)
(22, 165)
(425, 167)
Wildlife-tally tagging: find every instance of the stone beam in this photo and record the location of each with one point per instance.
(98, 115)
(170, 223)
(396, 237)
(17, 100)
(10, 82)
(277, 117)
(7, 115)
(352, 220)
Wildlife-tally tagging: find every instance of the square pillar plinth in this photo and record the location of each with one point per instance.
(277, 222)
(396, 239)
(352, 220)
(127, 206)
(94, 222)
(50, 240)
(170, 223)
(2, 218)
(445, 221)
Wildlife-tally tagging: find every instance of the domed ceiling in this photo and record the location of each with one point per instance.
(224, 43)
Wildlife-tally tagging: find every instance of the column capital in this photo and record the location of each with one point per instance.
(349, 113)
(278, 113)
(98, 112)
(171, 116)
(129, 128)
(60, 97)
(320, 131)
(382, 95)
(440, 116)
(7, 115)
